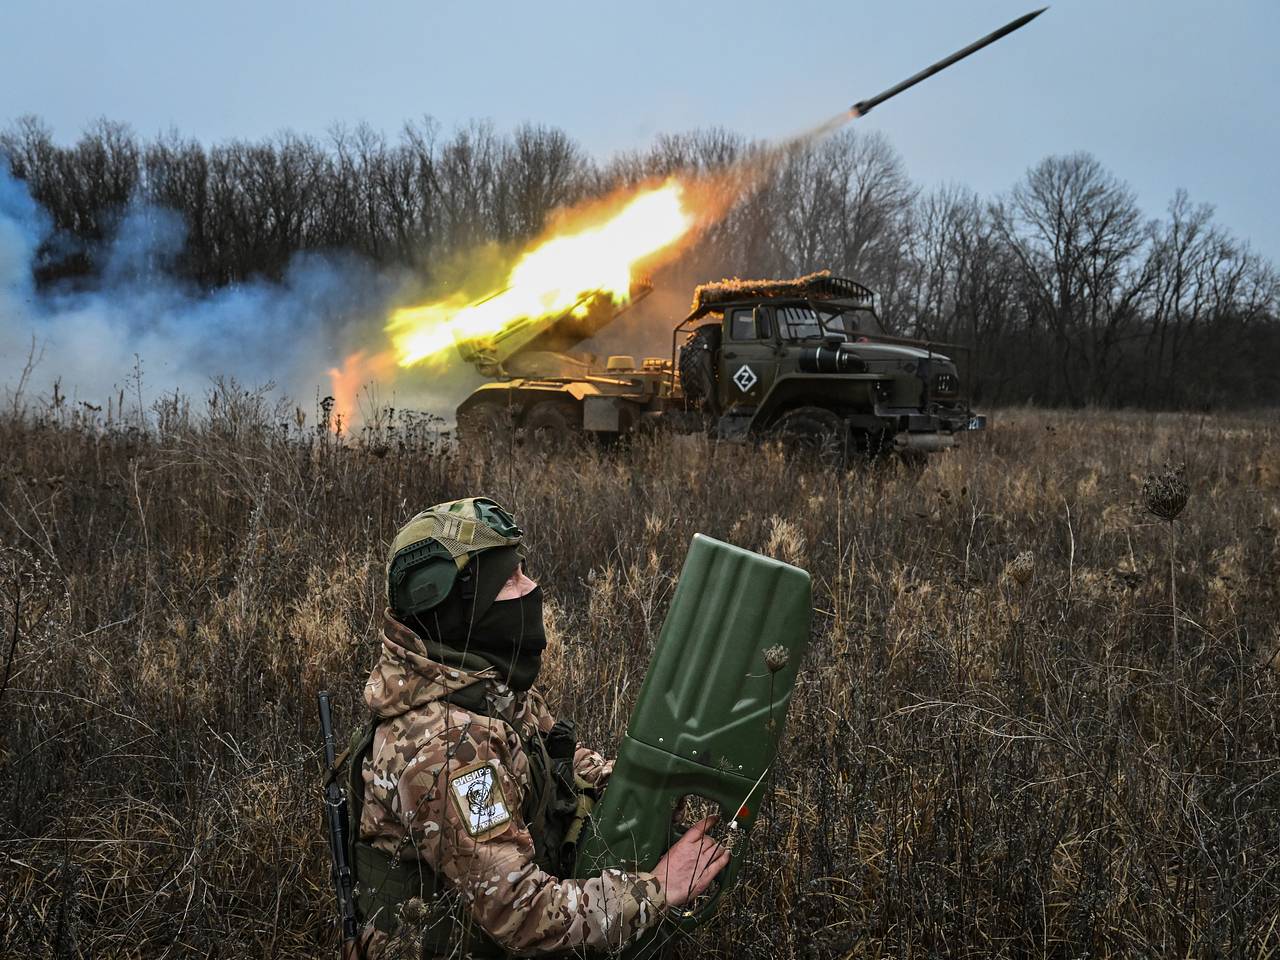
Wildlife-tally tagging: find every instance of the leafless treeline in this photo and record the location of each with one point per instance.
(1066, 291)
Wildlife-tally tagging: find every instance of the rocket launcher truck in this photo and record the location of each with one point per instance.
(803, 360)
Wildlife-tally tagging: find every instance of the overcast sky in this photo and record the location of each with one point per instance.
(1166, 93)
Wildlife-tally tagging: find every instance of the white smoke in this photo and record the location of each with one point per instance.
(137, 314)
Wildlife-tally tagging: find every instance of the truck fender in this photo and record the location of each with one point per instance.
(831, 391)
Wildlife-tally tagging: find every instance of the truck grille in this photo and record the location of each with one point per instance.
(946, 385)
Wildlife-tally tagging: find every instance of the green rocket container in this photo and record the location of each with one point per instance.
(711, 711)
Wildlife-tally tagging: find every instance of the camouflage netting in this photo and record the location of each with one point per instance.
(813, 286)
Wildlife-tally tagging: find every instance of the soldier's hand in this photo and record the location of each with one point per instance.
(693, 861)
(677, 814)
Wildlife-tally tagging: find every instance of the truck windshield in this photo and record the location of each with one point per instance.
(803, 323)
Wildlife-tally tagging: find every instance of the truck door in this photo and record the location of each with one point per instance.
(748, 357)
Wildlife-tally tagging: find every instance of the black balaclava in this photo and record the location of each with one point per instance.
(471, 630)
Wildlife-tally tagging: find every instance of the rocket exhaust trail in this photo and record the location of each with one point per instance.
(863, 107)
(744, 176)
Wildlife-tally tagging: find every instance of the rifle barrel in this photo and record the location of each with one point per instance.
(335, 802)
(326, 727)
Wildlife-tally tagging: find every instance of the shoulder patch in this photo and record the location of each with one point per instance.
(477, 795)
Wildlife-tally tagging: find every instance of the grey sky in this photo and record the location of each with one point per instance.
(1166, 94)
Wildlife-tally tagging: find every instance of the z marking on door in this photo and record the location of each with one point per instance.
(745, 378)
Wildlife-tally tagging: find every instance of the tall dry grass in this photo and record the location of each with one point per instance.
(996, 749)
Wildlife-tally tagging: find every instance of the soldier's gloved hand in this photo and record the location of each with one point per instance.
(693, 861)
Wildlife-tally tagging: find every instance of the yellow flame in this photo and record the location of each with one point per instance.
(552, 278)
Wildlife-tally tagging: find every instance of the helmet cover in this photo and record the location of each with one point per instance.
(429, 551)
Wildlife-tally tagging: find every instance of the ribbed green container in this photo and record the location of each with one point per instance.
(710, 714)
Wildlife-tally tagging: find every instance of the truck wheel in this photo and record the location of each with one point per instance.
(486, 421)
(553, 424)
(698, 366)
(813, 430)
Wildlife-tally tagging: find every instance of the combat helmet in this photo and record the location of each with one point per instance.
(430, 551)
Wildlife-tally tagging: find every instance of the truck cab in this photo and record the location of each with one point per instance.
(809, 357)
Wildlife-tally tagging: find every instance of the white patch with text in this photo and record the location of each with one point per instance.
(479, 799)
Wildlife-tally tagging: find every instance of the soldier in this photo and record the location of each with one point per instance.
(470, 794)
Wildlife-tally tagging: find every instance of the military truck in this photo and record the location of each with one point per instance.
(803, 360)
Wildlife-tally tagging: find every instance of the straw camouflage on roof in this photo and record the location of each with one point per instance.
(814, 286)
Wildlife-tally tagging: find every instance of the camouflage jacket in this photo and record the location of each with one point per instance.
(445, 786)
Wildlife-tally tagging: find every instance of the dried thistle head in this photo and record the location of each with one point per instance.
(1022, 568)
(776, 657)
(415, 912)
(1165, 494)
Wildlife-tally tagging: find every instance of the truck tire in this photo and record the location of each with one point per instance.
(699, 358)
(813, 430)
(553, 424)
(486, 421)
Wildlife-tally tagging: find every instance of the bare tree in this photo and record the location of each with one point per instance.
(1076, 231)
(1063, 291)
(540, 170)
(467, 170)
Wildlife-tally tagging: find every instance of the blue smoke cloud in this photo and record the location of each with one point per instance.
(288, 333)
(22, 226)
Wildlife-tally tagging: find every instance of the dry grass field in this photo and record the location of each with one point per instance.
(1036, 718)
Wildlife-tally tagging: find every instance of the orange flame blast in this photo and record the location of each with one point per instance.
(587, 256)
(357, 372)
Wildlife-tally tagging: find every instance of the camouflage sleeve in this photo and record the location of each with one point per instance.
(591, 767)
(587, 764)
(462, 805)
